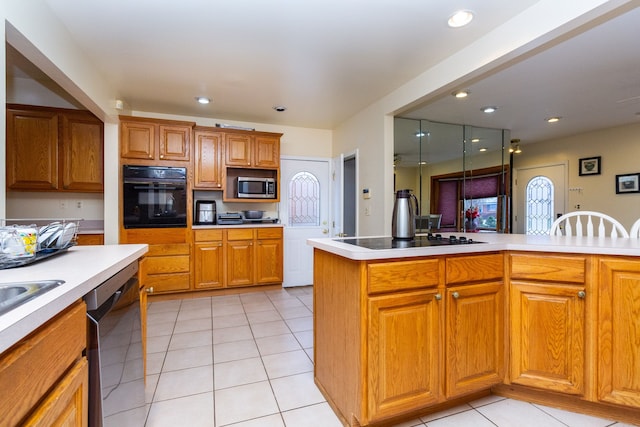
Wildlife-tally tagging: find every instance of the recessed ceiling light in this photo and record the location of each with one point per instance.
(203, 99)
(461, 93)
(422, 163)
(489, 109)
(475, 140)
(460, 18)
(553, 119)
(280, 108)
(420, 134)
(483, 149)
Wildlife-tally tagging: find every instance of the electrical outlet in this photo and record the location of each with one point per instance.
(367, 211)
(63, 205)
(79, 204)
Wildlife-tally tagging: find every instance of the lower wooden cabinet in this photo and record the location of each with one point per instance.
(90, 239)
(269, 253)
(208, 259)
(240, 254)
(619, 331)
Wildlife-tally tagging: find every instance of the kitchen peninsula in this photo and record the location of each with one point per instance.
(551, 320)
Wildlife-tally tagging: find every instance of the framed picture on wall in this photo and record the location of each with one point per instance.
(628, 183)
(590, 166)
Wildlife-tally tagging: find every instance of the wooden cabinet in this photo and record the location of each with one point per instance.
(153, 141)
(208, 257)
(619, 331)
(252, 151)
(474, 306)
(54, 150)
(403, 345)
(548, 321)
(208, 159)
(269, 253)
(90, 239)
(240, 257)
(44, 378)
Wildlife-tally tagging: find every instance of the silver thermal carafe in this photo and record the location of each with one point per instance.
(403, 222)
(205, 212)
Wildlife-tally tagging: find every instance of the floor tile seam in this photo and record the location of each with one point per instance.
(186, 396)
(486, 417)
(488, 403)
(162, 371)
(548, 414)
(426, 422)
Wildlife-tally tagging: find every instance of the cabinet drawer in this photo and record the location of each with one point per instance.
(269, 233)
(399, 275)
(207, 235)
(550, 268)
(240, 234)
(168, 282)
(168, 264)
(170, 249)
(474, 268)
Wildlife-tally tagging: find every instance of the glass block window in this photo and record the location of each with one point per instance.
(304, 200)
(539, 206)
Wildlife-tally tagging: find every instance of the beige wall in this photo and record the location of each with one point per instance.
(619, 149)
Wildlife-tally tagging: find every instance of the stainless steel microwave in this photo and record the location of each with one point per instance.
(249, 187)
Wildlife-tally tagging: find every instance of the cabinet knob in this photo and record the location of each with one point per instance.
(582, 294)
(455, 295)
(438, 297)
(149, 290)
(162, 156)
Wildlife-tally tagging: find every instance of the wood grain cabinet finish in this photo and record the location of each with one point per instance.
(208, 159)
(240, 254)
(619, 331)
(548, 322)
(90, 239)
(54, 150)
(208, 256)
(154, 141)
(43, 378)
(252, 151)
(269, 254)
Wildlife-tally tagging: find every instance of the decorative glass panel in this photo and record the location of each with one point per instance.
(304, 200)
(539, 206)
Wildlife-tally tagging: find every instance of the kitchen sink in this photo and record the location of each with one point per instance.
(14, 294)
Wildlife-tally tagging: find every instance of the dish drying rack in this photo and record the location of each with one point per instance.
(42, 253)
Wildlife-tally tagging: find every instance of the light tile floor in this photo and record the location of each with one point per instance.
(247, 361)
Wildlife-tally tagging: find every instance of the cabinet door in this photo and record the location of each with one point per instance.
(266, 151)
(547, 336)
(269, 261)
(138, 140)
(174, 142)
(82, 153)
(474, 337)
(403, 352)
(209, 265)
(208, 170)
(32, 150)
(237, 150)
(240, 263)
(619, 332)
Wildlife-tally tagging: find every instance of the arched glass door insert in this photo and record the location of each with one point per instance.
(539, 206)
(304, 200)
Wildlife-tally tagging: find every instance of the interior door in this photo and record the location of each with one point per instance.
(304, 212)
(556, 176)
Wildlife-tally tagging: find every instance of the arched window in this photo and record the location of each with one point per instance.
(539, 213)
(304, 200)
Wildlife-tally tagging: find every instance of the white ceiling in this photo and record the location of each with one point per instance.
(325, 60)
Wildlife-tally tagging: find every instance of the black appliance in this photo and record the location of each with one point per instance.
(205, 212)
(418, 242)
(229, 218)
(154, 196)
(114, 348)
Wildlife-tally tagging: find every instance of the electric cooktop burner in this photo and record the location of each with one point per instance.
(417, 242)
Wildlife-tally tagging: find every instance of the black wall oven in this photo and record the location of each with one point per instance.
(154, 196)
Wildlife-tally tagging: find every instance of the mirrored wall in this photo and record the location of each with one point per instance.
(459, 173)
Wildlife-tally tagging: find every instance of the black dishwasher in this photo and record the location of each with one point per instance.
(114, 348)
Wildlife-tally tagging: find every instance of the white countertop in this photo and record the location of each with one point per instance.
(81, 267)
(494, 242)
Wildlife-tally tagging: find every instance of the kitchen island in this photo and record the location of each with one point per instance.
(43, 365)
(552, 320)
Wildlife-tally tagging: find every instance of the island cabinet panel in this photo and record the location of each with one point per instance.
(550, 268)
(401, 275)
(476, 268)
(619, 331)
(403, 353)
(475, 358)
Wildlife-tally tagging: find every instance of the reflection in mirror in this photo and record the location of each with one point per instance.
(459, 174)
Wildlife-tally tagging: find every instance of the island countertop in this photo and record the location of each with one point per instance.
(491, 242)
(81, 267)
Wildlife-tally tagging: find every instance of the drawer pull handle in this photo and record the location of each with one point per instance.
(438, 297)
(582, 294)
(455, 295)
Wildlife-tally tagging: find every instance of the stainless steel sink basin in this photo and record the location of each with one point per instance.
(16, 293)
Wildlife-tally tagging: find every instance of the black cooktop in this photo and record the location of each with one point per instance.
(417, 242)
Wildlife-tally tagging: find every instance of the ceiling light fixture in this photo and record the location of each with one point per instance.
(517, 150)
(280, 108)
(553, 119)
(420, 134)
(475, 140)
(460, 18)
(461, 93)
(203, 100)
(483, 149)
(515, 146)
(489, 109)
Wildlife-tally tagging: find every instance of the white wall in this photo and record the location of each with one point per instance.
(619, 149)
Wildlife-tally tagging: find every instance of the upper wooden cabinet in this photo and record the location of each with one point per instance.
(52, 149)
(153, 141)
(208, 147)
(252, 151)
